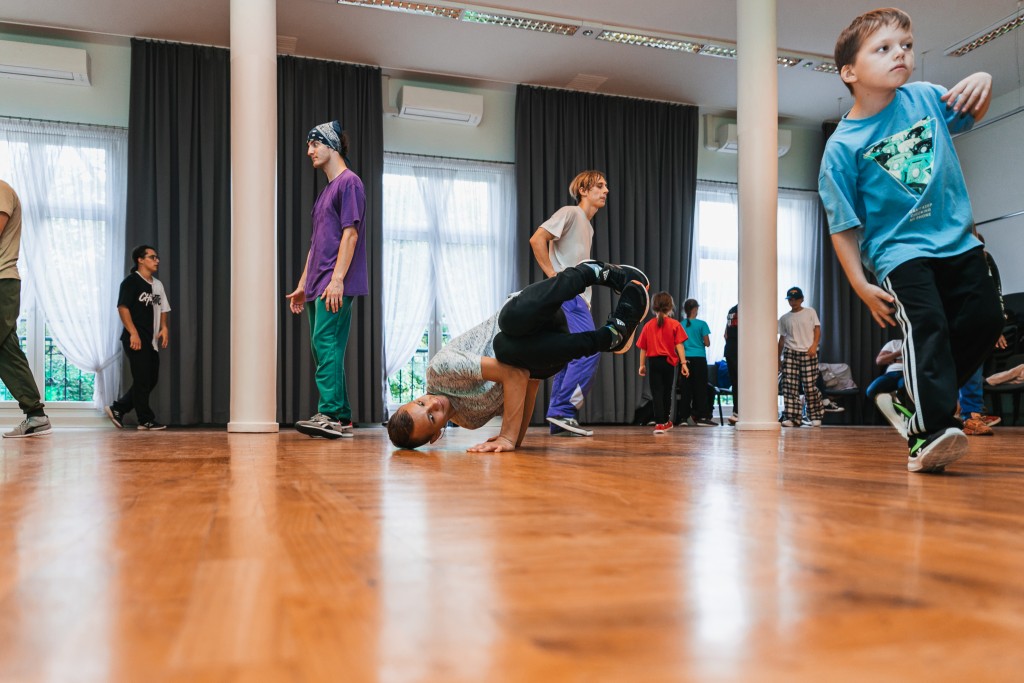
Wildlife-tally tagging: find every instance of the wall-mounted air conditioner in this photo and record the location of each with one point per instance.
(44, 63)
(446, 106)
(724, 137)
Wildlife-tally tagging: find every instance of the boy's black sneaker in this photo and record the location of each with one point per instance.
(631, 309)
(616, 276)
(152, 426)
(116, 416)
(933, 452)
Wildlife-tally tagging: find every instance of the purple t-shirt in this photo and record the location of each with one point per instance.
(341, 204)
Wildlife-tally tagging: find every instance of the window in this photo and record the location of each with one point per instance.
(71, 183)
(449, 227)
(714, 273)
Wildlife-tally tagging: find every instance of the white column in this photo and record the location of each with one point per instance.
(757, 127)
(255, 299)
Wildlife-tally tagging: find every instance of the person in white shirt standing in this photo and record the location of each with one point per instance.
(561, 242)
(799, 334)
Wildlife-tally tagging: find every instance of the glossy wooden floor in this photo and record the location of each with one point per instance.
(703, 555)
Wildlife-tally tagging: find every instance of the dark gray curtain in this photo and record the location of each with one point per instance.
(849, 333)
(179, 202)
(311, 92)
(648, 152)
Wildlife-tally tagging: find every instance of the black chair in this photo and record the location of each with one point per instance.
(997, 391)
(716, 392)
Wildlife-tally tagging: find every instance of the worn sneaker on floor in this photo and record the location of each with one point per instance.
(790, 423)
(324, 426)
(975, 426)
(831, 406)
(894, 411)
(989, 420)
(30, 426)
(734, 418)
(662, 428)
(116, 416)
(932, 453)
(151, 426)
(704, 422)
(631, 309)
(561, 425)
(617, 276)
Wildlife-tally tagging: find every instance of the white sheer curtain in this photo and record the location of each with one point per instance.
(71, 180)
(714, 274)
(449, 231)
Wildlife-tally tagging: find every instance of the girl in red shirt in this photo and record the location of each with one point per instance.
(661, 347)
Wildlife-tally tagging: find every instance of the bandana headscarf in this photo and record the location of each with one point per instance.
(327, 133)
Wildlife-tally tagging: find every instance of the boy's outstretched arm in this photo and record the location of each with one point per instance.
(878, 301)
(972, 95)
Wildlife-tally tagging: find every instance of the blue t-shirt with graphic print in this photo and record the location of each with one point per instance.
(897, 175)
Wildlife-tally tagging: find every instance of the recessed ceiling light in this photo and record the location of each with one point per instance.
(648, 41)
(787, 62)
(1000, 28)
(408, 7)
(479, 16)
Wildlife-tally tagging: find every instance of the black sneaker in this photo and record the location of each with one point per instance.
(617, 276)
(631, 309)
(152, 426)
(116, 416)
(933, 452)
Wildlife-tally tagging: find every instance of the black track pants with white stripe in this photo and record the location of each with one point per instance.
(951, 318)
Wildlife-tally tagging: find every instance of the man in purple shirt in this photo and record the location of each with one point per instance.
(334, 275)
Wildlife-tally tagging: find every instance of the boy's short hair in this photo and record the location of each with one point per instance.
(853, 36)
(400, 428)
(583, 183)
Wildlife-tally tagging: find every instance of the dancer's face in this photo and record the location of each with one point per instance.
(884, 61)
(319, 153)
(598, 194)
(429, 414)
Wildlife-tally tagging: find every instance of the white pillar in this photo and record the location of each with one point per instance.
(255, 299)
(757, 127)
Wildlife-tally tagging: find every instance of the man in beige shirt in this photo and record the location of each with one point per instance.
(14, 370)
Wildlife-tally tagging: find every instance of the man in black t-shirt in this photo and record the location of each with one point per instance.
(143, 307)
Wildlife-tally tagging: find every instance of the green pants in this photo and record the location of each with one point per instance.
(328, 336)
(14, 370)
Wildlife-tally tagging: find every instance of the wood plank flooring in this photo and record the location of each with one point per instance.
(706, 554)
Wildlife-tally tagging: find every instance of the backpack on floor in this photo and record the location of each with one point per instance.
(837, 376)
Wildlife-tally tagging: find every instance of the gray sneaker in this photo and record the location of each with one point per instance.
(324, 426)
(568, 425)
(30, 426)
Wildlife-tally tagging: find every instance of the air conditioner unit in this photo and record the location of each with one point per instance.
(44, 63)
(428, 104)
(725, 138)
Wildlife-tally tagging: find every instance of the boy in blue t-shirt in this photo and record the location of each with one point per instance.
(895, 195)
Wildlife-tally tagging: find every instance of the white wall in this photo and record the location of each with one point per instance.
(492, 140)
(798, 169)
(105, 102)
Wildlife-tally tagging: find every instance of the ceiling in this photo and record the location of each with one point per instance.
(406, 44)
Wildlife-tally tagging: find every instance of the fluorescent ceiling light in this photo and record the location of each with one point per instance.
(477, 14)
(482, 16)
(723, 51)
(1000, 28)
(822, 67)
(408, 7)
(648, 41)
